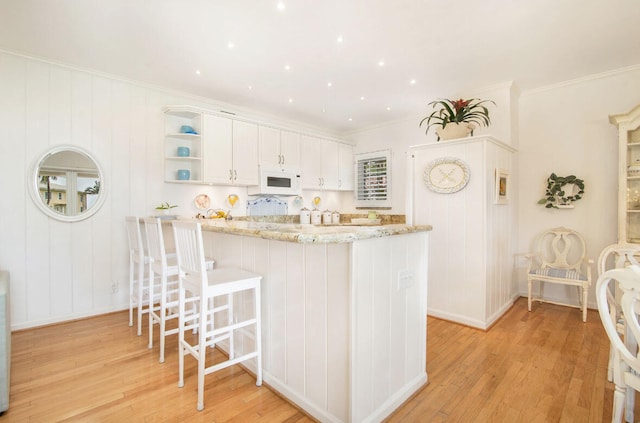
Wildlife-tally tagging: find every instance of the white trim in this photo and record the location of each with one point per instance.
(582, 79)
(66, 318)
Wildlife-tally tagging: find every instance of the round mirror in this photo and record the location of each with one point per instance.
(67, 183)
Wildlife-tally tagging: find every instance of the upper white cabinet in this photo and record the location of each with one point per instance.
(278, 147)
(183, 150)
(628, 175)
(330, 165)
(218, 150)
(245, 153)
(346, 168)
(203, 147)
(290, 148)
(230, 151)
(311, 162)
(326, 164)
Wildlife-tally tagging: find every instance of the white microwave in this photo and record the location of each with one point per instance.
(277, 180)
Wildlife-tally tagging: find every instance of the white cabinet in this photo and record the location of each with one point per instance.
(230, 151)
(226, 151)
(245, 153)
(346, 167)
(628, 177)
(326, 164)
(341, 337)
(290, 148)
(178, 120)
(311, 162)
(470, 269)
(278, 147)
(330, 165)
(218, 150)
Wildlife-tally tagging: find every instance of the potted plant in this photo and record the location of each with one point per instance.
(457, 118)
(165, 207)
(562, 191)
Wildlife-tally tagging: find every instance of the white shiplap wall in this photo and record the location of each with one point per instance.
(61, 271)
(471, 257)
(341, 338)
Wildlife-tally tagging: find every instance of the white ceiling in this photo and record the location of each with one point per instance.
(446, 47)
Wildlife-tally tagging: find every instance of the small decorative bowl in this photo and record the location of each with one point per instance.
(186, 129)
(183, 174)
(183, 152)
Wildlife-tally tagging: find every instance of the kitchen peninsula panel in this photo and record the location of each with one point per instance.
(344, 322)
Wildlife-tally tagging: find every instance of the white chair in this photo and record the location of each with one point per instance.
(218, 323)
(560, 258)
(616, 256)
(138, 260)
(626, 363)
(165, 266)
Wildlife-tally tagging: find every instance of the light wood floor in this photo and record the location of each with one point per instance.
(543, 366)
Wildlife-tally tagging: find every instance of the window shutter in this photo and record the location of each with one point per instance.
(373, 179)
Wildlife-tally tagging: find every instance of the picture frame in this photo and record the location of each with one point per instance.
(502, 186)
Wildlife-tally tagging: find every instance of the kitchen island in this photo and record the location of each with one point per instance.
(343, 311)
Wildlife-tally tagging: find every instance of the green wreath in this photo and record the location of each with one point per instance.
(555, 193)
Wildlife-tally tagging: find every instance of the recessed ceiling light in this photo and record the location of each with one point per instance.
(340, 39)
(329, 84)
(381, 63)
(323, 110)
(197, 71)
(388, 108)
(287, 67)
(250, 87)
(230, 45)
(350, 119)
(361, 98)
(280, 5)
(412, 82)
(290, 100)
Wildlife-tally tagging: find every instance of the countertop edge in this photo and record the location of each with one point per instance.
(302, 237)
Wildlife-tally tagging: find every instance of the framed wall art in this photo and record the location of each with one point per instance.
(502, 186)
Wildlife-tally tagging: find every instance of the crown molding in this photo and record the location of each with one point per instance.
(583, 79)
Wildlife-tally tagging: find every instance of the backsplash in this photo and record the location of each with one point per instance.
(385, 219)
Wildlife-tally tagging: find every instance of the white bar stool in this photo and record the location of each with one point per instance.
(212, 326)
(138, 259)
(164, 266)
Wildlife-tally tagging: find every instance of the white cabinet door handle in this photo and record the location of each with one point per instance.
(283, 159)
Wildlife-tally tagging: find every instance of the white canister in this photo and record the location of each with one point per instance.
(305, 216)
(634, 169)
(316, 217)
(326, 217)
(335, 218)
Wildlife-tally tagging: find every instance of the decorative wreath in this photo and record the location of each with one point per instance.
(555, 194)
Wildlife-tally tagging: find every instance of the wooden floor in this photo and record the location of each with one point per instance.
(543, 366)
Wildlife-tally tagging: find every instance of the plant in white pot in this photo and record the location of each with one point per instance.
(457, 118)
(166, 207)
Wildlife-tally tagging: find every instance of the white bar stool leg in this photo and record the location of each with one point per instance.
(258, 309)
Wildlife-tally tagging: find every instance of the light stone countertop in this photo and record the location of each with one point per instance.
(317, 234)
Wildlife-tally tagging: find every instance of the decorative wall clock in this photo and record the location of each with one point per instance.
(446, 175)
